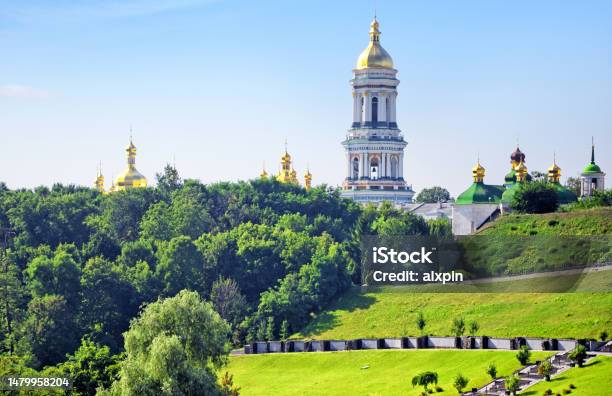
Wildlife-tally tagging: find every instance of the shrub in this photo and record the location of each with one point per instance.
(547, 392)
(460, 382)
(603, 335)
(545, 369)
(578, 355)
(458, 327)
(492, 371)
(572, 386)
(523, 355)
(439, 389)
(567, 391)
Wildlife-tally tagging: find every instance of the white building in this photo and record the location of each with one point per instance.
(374, 145)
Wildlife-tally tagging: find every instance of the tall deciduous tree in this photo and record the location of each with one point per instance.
(173, 348)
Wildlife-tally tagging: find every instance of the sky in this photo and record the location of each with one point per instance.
(217, 86)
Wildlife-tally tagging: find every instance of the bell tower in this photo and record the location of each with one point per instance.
(374, 145)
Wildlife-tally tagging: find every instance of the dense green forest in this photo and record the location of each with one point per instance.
(80, 266)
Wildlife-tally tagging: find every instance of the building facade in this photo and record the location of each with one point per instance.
(374, 145)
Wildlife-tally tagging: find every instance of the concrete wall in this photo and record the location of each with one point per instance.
(275, 346)
(499, 343)
(535, 343)
(369, 343)
(477, 343)
(566, 345)
(412, 342)
(467, 217)
(261, 347)
(298, 346)
(441, 342)
(393, 343)
(337, 345)
(316, 346)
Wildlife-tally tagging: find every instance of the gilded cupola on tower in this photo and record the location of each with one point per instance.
(130, 177)
(374, 56)
(554, 172)
(99, 183)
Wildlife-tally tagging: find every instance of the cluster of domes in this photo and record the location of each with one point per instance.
(287, 174)
(479, 192)
(129, 178)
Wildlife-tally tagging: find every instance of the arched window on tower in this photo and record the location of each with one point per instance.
(355, 173)
(394, 167)
(374, 168)
(374, 111)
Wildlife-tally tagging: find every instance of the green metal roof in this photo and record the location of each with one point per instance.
(592, 168)
(480, 193)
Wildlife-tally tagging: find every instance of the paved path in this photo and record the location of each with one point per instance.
(529, 375)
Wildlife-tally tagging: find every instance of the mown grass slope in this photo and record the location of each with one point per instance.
(594, 379)
(392, 311)
(341, 373)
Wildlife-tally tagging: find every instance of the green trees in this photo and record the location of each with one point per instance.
(173, 348)
(90, 367)
(433, 195)
(578, 355)
(460, 382)
(535, 197)
(268, 255)
(181, 266)
(425, 379)
(523, 355)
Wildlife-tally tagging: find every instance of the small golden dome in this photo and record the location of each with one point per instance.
(554, 172)
(521, 172)
(374, 55)
(478, 172)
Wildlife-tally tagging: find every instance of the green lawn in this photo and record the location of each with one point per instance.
(392, 311)
(594, 379)
(341, 373)
(596, 221)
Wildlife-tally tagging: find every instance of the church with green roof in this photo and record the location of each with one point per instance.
(481, 202)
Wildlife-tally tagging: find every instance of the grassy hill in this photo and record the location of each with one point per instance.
(596, 221)
(591, 380)
(340, 373)
(392, 311)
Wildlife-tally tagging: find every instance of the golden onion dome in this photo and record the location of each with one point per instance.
(130, 178)
(478, 172)
(374, 55)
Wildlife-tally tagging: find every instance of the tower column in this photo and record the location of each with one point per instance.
(368, 108)
(356, 107)
(392, 98)
(401, 165)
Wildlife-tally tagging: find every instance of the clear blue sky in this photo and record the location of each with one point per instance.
(220, 84)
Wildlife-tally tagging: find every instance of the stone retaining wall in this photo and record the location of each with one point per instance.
(424, 342)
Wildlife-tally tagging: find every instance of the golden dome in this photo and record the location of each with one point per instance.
(554, 172)
(374, 55)
(478, 172)
(521, 172)
(130, 178)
